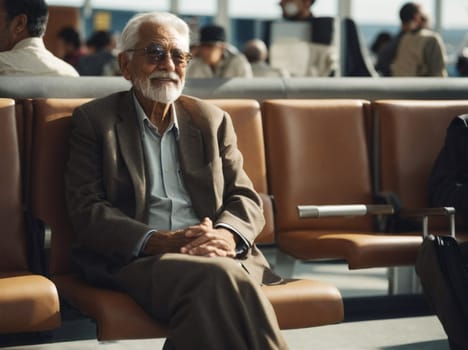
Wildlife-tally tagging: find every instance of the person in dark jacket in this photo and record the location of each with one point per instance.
(448, 184)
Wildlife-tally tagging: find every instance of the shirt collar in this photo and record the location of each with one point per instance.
(28, 42)
(143, 118)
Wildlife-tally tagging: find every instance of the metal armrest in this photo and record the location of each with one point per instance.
(425, 213)
(317, 211)
(421, 212)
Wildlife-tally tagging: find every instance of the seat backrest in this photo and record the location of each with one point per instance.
(51, 132)
(317, 153)
(13, 255)
(411, 134)
(247, 120)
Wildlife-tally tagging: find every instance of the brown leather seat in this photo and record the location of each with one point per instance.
(411, 134)
(298, 303)
(317, 153)
(28, 302)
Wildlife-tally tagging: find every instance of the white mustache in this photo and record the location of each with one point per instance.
(165, 75)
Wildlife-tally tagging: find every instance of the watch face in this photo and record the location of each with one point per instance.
(241, 251)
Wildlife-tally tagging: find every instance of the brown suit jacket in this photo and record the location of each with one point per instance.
(107, 187)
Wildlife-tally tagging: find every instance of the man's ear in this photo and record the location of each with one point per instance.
(124, 61)
(19, 26)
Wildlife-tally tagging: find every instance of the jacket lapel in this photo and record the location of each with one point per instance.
(196, 169)
(129, 139)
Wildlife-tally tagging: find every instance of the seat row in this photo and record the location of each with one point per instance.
(39, 144)
(324, 152)
(295, 151)
(28, 301)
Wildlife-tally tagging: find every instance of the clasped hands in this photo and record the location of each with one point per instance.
(201, 240)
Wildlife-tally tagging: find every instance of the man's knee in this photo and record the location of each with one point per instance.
(225, 267)
(203, 268)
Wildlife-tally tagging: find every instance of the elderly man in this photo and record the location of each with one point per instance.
(161, 205)
(22, 50)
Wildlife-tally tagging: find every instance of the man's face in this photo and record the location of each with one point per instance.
(155, 76)
(211, 54)
(293, 9)
(421, 19)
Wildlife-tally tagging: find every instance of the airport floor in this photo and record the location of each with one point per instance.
(373, 319)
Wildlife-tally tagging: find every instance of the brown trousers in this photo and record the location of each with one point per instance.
(208, 303)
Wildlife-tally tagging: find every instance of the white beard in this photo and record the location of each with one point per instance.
(165, 93)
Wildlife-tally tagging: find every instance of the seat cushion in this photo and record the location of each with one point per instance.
(305, 303)
(360, 250)
(28, 303)
(117, 315)
(297, 303)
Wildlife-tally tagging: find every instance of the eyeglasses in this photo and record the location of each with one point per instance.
(156, 53)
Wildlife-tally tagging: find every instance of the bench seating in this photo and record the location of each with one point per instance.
(318, 153)
(28, 302)
(298, 303)
(315, 150)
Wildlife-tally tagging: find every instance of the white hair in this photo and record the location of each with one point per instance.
(130, 34)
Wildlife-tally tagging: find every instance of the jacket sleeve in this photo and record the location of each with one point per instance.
(242, 207)
(434, 53)
(102, 225)
(448, 184)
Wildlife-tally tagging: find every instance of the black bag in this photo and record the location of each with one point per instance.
(442, 266)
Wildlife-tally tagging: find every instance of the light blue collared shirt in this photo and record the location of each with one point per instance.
(170, 206)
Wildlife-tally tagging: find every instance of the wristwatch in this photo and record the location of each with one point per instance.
(241, 250)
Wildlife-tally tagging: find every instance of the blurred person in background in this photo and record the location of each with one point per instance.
(256, 52)
(462, 63)
(411, 19)
(69, 45)
(101, 45)
(313, 54)
(420, 52)
(380, 41)
(296, 9)
(216, 58)
(22, 50)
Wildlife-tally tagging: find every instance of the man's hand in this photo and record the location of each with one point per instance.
(166, 242)
(207, 241)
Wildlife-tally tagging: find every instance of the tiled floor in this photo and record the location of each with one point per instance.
(374, 320)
